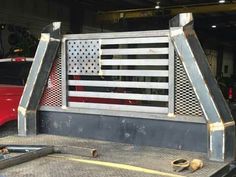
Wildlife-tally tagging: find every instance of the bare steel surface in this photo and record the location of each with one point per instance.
(146, 157)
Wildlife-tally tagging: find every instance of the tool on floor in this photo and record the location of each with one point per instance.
(195, 164)
(183, 164)
(180, 164)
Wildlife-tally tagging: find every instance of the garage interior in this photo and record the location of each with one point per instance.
(135, 80)
(209, 21)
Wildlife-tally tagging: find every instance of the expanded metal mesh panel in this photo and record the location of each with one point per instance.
(53, 92)
(83, 57)
(186, 102)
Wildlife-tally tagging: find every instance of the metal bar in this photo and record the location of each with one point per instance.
(112, 95)
(64, 74)
(135, 62)
(147, 109)
(22, 149)
(37, 79)
(35, 151)
(75, 150)
(136, 51)
(151, 33)
(144, 40)
(146, 73)
(25, 157)
(213, 8)
(140, 115)
(171, 92)
(124, 84)
(220, 122)
(116, 16)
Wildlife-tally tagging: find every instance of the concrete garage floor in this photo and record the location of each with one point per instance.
(115, 154)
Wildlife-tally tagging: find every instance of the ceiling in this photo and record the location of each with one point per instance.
(225, 21)
(132, 4)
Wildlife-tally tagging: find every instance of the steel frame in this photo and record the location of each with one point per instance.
(31, 152)
(216, 111)
(171, 95)
(121, 37)
(151, 33)
(37, 79)
(139, 115)
(116, 16)
(221, 126)
(64, 75)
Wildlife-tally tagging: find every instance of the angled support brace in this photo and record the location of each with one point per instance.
(37, 79)
(221, 126)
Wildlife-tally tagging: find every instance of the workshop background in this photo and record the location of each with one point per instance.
(135, 90)
(215, 26)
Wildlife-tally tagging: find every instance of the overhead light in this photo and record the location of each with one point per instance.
(213, 26)
(157, 5)
(221, 1)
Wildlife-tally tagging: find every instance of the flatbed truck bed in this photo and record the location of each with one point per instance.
(115, 159)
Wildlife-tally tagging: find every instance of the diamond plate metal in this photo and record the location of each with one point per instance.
(186, 102)
(145, 157)
(83, 57)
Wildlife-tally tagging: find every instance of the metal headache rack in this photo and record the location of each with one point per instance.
(144, 88)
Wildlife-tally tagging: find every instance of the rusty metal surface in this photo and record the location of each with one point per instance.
(146, 157)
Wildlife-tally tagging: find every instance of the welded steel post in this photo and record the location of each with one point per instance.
(221, 126)
(37, 79)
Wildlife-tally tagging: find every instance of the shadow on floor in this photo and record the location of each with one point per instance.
(9, 128)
